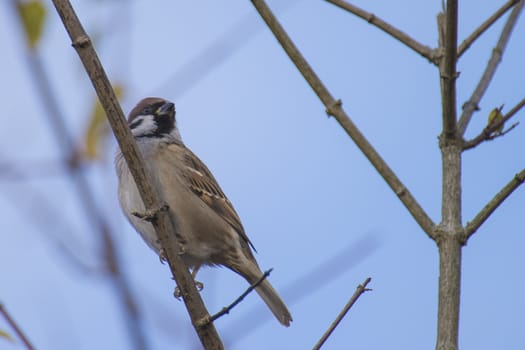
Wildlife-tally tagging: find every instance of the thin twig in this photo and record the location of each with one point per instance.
(484, 26)
(472, 104)
(488, 132)
(334, 108)
(300, 287)
(360, 290)
(16, 328)
(404, 38)
(225, 310)
(166, 224)
(493, 204)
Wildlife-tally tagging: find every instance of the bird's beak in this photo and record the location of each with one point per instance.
(166, 109)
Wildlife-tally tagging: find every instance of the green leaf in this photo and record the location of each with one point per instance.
(32, 14)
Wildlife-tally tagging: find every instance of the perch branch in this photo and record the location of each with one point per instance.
(472, 104)
(484, 26)
(493, 204)
(360, 290)
(166, 224)
(404, 38)
(226, 310)
(335, 109)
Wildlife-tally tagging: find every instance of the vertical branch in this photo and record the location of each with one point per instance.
(447, 68)
(164, 222)
(449, 291)
(450, 229)
(449, 244)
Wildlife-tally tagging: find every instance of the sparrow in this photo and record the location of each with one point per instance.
(211, 232)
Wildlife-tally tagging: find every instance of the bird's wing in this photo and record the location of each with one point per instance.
(204, 186)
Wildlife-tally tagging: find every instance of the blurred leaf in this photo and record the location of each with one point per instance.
(98, 128)
(494, 117)
(32, 14)
(7, 336)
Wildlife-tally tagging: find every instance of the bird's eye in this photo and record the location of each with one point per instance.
(147, 110)
(135, 123)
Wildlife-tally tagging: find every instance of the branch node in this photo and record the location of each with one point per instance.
(436, 55)
(520, 177)
(332, 108)
(81, 42)
(454, 76)
(470, 104)
(494, 203)
(204, 321)
(151, 215)
(401, 191)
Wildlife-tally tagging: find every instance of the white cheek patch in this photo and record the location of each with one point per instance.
(147, 125)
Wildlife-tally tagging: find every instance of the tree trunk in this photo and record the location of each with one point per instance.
(449, 289)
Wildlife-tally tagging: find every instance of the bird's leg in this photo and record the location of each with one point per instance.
(163, 257)
(177, 292)
(198, 284)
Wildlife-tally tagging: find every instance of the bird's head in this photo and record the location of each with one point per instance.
(154, 118)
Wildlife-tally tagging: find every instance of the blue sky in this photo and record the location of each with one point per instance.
(303, 190)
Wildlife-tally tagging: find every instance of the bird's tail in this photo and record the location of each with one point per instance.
(274, 302)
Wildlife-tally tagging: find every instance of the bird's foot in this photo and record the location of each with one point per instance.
(150, 215)
(182, 249)
(177, 293)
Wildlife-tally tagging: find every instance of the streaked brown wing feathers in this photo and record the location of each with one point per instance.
(204, 185)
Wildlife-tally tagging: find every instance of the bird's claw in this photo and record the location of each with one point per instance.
(199, 286)
(177, 293)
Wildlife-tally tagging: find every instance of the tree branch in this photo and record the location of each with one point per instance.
(360, 290)
(450, 225)
(404, 38)
(15, 327)
(165, 225)
(447, 67)
(334, 109)
(472, 104)
(463, 47)
(493, 204)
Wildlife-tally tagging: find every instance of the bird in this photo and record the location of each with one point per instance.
(211, 232)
